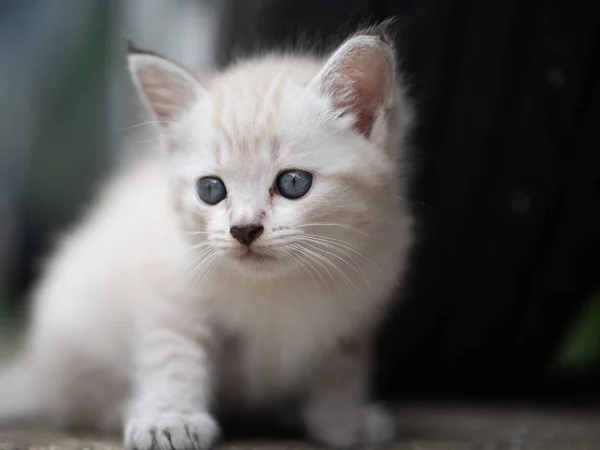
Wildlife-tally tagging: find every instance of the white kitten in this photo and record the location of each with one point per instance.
(245, 268)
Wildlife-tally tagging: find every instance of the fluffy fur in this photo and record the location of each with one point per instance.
(150, 317)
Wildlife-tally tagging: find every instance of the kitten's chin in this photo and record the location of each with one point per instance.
(258, 264)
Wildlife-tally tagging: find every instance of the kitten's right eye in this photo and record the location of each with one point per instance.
(211, 190)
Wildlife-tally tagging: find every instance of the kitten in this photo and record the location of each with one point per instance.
(245, 268)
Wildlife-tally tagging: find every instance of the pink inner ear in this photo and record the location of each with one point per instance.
(166, 93)
(360, 82)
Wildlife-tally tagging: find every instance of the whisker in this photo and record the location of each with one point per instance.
(294, 259)
(280, 282)
(192, 233)
(145, 141)
(150, 122)
(350, 245)
(329, 245)
(340, 271)
(331, 224)
(212, 270)
(303, 255)
(323, 263)
(344, 244)
(198, 256)
(198, 261)
(198, 246)
(209, 267)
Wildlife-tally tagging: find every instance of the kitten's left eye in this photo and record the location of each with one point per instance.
(293, 184)
(211, 190)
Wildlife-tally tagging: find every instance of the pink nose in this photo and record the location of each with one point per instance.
(246, 234)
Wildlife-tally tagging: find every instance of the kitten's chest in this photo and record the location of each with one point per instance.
(270, 345)
(256, 371)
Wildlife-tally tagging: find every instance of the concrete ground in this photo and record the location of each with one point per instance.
(423, 428)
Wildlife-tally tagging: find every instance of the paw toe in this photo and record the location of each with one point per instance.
(171, 432)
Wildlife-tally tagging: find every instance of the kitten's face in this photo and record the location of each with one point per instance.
(273, 176)
(301, 177)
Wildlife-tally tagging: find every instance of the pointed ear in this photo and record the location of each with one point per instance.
(166, 88)
(359, 79)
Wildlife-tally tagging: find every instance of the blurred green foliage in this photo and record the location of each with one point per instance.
(581, 348)
(68, 148)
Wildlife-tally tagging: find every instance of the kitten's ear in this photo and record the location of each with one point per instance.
(359, 78)
(167, 89)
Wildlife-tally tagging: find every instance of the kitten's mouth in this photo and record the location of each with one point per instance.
(249, 254)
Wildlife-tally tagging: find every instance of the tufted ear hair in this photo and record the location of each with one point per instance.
(167, 89)
(359, 78)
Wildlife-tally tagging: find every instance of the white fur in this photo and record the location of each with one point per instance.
(147, 319)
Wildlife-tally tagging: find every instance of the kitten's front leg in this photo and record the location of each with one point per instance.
(337, 412)
(172, 387)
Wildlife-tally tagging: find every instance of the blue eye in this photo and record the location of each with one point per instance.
(293, 184)
(211, 190)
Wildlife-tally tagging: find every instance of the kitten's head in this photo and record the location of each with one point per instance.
(282, 162)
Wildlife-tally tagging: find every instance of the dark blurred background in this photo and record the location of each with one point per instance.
(503, 299)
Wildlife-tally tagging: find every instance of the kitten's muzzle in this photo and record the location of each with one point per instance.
(246, 234)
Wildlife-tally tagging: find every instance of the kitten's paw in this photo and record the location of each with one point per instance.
(171, 431)
(350, 427)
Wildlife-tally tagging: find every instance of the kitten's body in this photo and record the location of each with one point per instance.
(135, 310)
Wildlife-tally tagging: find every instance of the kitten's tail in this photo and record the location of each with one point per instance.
(20, 399)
